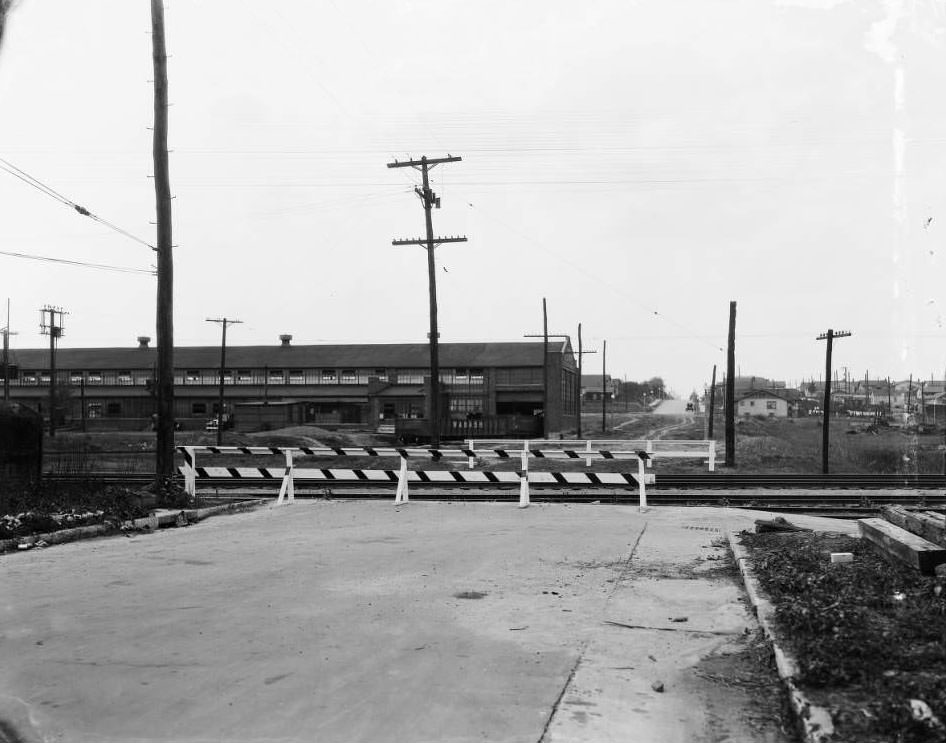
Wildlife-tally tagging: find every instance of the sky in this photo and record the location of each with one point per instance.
(639, 165)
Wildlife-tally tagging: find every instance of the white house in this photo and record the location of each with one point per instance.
(762, 404)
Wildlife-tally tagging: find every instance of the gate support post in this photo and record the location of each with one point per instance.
(190, 471)
(712, 455)
(401, 496)
(287, 490)
(524, 477)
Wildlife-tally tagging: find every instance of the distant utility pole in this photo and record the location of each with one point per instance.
(829, 336)
(164, 382)
(712, 405)
(6, 355)
(224, 321)
(54, 329)
(545, 365)
(731, 390)
(581, 352)
(430, 200)
(604, 386)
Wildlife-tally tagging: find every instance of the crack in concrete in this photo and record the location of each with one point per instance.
(685, 630)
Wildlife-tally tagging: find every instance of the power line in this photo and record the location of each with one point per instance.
(83, 264)
(30, 180)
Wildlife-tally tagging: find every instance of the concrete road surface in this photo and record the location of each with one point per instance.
(358, 621)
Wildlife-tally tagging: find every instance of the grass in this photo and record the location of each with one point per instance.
(869, 636)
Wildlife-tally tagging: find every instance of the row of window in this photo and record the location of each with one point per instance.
(272, 376)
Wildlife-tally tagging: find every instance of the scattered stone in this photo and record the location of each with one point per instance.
(779, 523)
(679, 619)
(841, 557)
(658, 686)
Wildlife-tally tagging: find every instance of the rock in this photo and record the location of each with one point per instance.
(658, 686)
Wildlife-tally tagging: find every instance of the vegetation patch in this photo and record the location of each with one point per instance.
(869, 636)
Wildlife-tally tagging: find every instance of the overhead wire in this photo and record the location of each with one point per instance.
(30, 180)
(83, 264)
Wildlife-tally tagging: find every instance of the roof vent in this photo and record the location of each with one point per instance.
(284, 339)
(143, 341)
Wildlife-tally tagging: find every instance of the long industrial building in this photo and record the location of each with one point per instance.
(487, 389)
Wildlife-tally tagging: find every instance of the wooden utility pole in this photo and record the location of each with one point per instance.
(164, 382)
(604, 387)
(54, 330)
(712, 405)
(223, 321)
(6, 353)
(430, 200)
(581, 352)
(829, 336)
(731, 389)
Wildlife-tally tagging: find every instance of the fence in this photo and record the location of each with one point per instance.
(192, 472)
(655, 448)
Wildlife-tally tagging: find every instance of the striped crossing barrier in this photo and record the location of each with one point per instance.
(403, 476)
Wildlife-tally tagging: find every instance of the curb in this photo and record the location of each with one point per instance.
(814, 722)
(155, 521)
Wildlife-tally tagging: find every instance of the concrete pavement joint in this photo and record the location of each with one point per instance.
(814, 722)
(675, 629)
(561, 695)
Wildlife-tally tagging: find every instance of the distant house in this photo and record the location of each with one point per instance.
(763, 404)
(593, 388)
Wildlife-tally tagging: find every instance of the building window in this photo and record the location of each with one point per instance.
(381, 374)
(410, 376)
(296, 376)
(752, 403)
(328, 376)
(198, 408)
(462, 376)
(771, 405)
(228, 376)
(244, 376)
(349, 376)
(95, 410)
(75, 377)
(276, 376)
(465, 406)
(113, 409)
(192, 376)
(44, 377)
(29, 377)
(124, 377)
(476, 376)
(94, 377)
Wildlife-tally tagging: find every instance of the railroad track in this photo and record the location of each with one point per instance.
(836, 495)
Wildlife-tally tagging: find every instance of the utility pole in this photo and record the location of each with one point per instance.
(6, 355)
(545, 335)
(829, 336)
(164, 382)
(712, 405)
(430, 200)
(581, 352)
(604, 387)
(731, 389)
(54, 330)
(224, 321)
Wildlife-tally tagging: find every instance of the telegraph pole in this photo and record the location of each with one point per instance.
(224, 321)
(604, 386)
(6, 355)
(54, 330)
(581, 352)
(164, 447)
(430, 200)
(731, 390)
(712, 405)
(829, 336)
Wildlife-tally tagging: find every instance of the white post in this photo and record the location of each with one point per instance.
(712, 456)
(401, 496)
(524, 476)
(287, 489)
(190, 471)
(641, 484)
(588, 449)
(470, 460)
(649, 448)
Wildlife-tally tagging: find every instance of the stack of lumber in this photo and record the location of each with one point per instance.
(914, 538)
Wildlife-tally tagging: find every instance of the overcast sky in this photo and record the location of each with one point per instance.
(639, 164)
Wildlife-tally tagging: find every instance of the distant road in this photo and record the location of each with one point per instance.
(671, 407)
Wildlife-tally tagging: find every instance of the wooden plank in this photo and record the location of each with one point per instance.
(902, 545)
(930, 528)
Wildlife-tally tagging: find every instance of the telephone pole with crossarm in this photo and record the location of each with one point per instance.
(430, 200)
